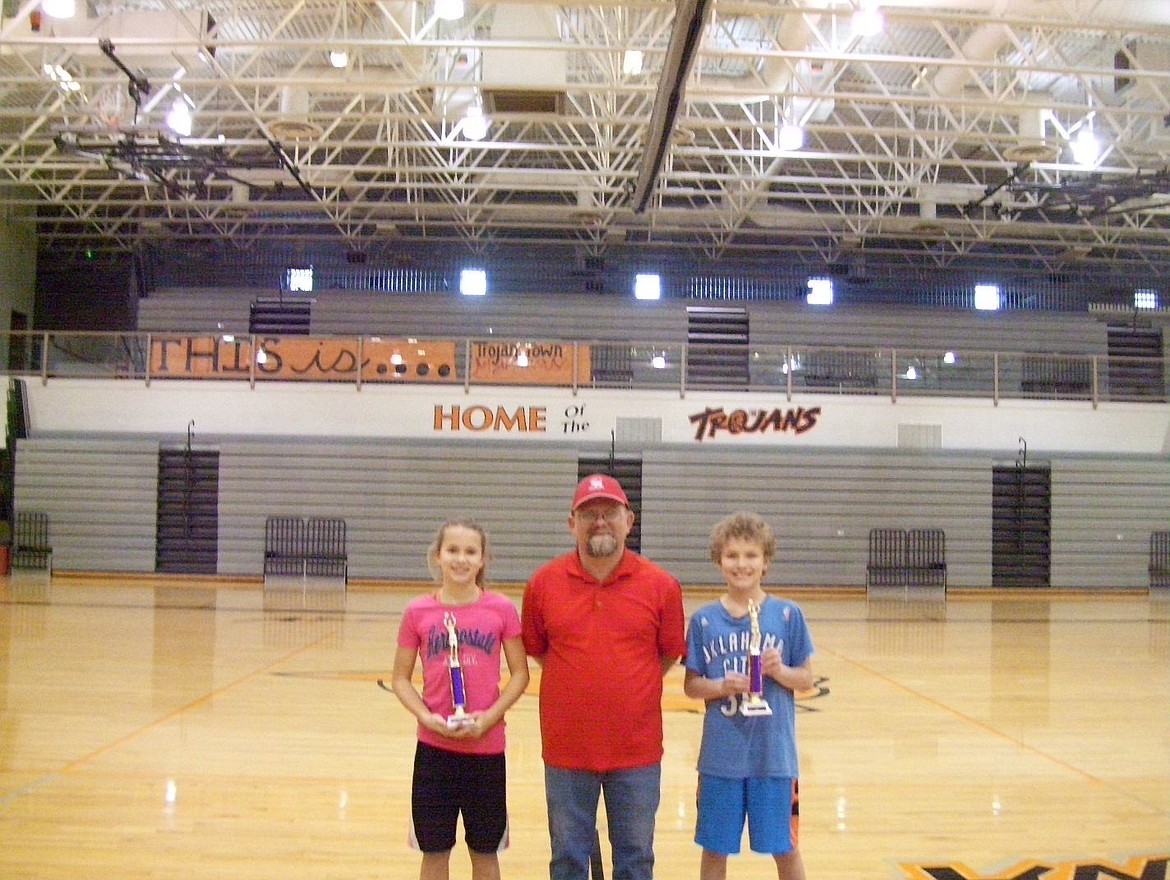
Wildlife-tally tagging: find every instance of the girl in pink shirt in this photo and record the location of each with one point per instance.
(459, 632)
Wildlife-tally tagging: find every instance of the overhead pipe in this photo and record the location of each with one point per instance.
(685, 36)
(982, 45)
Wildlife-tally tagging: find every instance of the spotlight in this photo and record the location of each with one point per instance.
(987, 297)
(1086, 149)
(179, 118)
(647, 286)
(868, 21)
(473, 282)
(791, 138)
(475, 124)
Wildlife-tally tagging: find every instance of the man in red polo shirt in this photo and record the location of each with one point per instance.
(605, 625)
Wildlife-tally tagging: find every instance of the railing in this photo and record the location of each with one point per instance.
(789, 370)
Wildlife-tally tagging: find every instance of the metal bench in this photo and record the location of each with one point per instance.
(284, 540)
(926, 557)
(325, 550)
(31, 547)
(887, 558)
(904, 558)
(296, 548)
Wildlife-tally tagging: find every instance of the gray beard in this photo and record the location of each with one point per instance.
(600, 546)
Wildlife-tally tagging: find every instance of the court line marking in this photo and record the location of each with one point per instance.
(988, 728)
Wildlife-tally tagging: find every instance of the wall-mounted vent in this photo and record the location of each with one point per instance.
(911, 436)
(523, 101)
(638, 431)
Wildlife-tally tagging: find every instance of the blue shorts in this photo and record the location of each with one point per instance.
(771, 807)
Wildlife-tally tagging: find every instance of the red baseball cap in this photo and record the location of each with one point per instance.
(599, 486)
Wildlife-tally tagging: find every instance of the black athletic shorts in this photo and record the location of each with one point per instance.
(449, 783)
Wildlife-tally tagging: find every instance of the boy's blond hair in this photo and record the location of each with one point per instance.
(746, 526)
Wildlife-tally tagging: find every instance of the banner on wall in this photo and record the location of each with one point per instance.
(315, 360)
(529, 363)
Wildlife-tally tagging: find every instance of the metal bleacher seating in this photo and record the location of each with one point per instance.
(887, 558)
(284, 539)
(325, 548)
(305, 549)
(31, 546)
(906, 558)
(1159, 559)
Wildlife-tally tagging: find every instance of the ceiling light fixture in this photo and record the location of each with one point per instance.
(647, 286)
(632, 62)
(1086, 149)
(789, 134)
(339, 59)
(59, 8)
(820, 292)
(868, 20)
(790, 138)
(179, 118)
(475, 124)
(1144, 298)
(473, 282)
(987, 297)
(449, 10)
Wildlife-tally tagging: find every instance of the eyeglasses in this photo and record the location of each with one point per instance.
(612, 515)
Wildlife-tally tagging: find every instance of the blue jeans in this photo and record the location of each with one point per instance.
(631, 801)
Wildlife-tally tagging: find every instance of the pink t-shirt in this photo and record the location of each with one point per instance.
(481, 628)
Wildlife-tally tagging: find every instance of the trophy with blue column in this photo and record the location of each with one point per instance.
(459, 716)
(754, 703)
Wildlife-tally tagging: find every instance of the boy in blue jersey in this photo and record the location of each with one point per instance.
(747, 758)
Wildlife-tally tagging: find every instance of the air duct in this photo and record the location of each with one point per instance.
(983, 44)
(520, 80)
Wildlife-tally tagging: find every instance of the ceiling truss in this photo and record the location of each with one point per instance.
(942, 142)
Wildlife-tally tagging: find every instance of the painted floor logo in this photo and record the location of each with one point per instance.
(1135, 868)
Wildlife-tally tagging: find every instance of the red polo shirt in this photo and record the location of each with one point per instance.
(601, 647)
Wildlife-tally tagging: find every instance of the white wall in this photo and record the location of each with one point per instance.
(164, 410)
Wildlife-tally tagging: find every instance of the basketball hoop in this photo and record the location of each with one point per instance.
(110, 107)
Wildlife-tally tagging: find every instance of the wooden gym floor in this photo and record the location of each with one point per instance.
(163, 728)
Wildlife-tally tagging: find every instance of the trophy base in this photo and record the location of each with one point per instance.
(454, 722)
(753, 708)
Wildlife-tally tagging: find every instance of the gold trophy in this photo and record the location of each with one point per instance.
(754, 703)
(459, 717)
